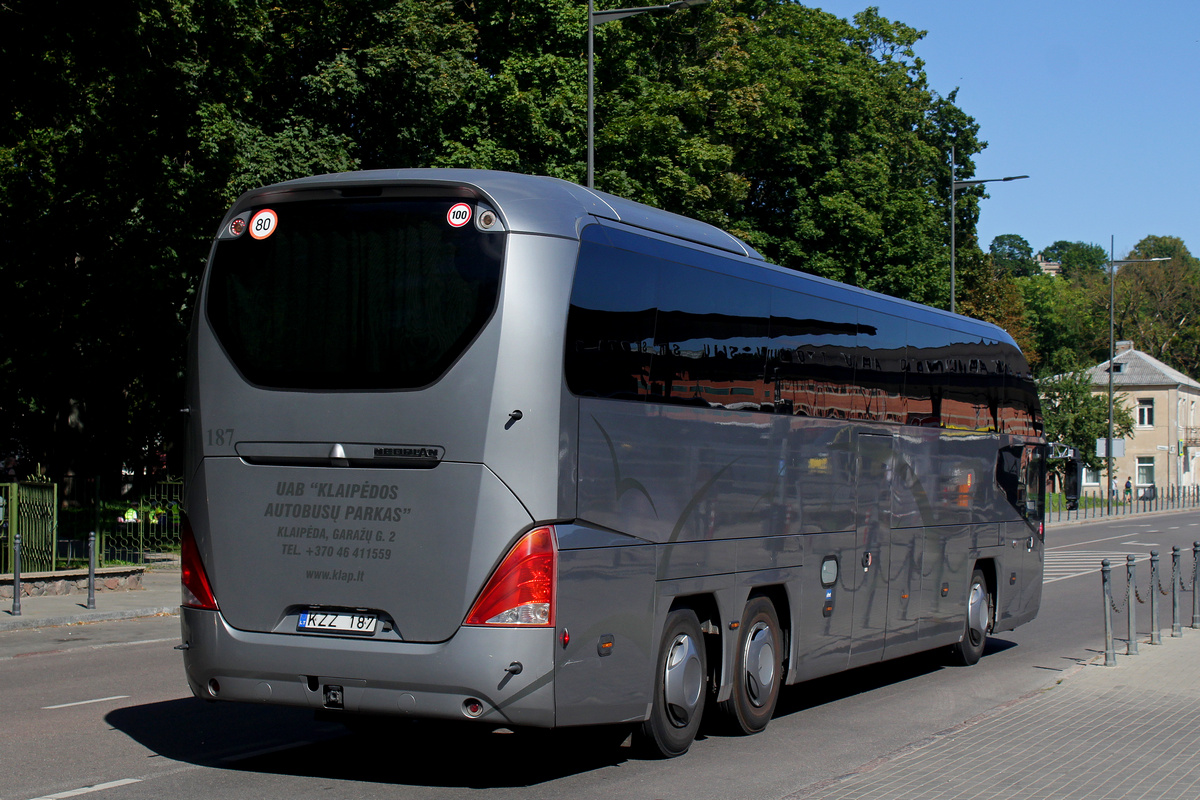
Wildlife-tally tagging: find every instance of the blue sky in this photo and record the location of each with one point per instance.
(1096, 101)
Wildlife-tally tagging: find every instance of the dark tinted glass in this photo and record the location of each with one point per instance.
(646, 327)
(710, 339)
(364, 294)
(814, 343)
(610, 327)
(879, 367)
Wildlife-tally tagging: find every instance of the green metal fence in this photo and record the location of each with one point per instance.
(32, 509)
(140, 531)
(143, 531)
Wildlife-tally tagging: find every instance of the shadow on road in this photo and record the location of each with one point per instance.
(832, 688)
(289, 741)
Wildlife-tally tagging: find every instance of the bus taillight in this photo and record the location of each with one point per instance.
(521, 590)
(196, 591)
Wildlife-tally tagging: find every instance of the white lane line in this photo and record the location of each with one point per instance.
(1143, 544)
(1061, 566)
(87, 702)
(99, 787)
(1095, 541)
(264, 751)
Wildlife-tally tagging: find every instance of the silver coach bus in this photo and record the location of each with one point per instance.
(482, 446)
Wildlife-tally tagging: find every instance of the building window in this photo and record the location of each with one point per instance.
(1091, 477)
(1145, 412)
(1145, 471)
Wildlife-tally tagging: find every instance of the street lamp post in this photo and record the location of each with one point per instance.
(1112, 297)
(597, 18)
(954, 187)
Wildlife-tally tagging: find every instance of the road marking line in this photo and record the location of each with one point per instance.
(1094, 541)
(1143, 544)
(1061, 566)
(99, 787)
(87, 702)
(264, 751)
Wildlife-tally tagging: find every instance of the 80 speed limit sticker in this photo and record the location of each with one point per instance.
(263, 224)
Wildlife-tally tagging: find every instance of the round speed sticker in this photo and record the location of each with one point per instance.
(458, 215)
(263, 224)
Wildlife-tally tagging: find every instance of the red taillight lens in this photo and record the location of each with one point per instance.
(521, 590)
(196, 591)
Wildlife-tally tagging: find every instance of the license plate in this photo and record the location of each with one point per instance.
(336, 622)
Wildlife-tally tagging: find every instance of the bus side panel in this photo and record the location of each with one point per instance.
(605, 608)
(944, 578)
(673, 474)
(822, 620)
(529, 436)
(1018, 601)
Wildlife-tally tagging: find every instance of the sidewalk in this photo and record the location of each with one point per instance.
(1129, 731)
(160, 595)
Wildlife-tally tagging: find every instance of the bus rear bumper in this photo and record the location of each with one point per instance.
(507, 672)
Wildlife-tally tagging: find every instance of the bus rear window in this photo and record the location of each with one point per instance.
(353, 294)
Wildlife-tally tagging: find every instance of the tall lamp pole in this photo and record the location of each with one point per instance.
(954, 187)
(1112, 296)
(597, 18)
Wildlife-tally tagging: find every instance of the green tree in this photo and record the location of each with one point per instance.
(1076, 416)
(130, 129)
(1013, 255)
(1158, 303)
(992, 294)
(1068, 321)
(1077, 258)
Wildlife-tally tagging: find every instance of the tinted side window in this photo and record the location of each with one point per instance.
(610, 327)
(710, 339)
(879, 367)
(813, 344)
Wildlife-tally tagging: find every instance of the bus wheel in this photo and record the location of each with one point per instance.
(757, 669)
(679, 678)
(979, 615)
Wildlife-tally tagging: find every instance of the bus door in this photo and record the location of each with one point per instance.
(873, 515)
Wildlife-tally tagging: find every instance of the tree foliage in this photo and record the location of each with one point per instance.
(1013, 255)
(1077, 258)
(130, 128)
(1074, 416)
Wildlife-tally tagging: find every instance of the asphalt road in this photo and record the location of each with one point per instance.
(105, 705)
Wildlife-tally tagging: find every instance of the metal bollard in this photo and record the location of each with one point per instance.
(1176, 628)
(1110, 653)
(1131, 648)
(1195, 594)
(1155, 633)
(16, 604)
(91, 601)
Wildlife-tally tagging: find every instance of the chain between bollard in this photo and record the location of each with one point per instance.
(1125, 601)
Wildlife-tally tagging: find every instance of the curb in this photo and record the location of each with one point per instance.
(21, 623)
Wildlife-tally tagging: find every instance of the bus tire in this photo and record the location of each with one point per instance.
(757, 669)
(969, 650)
(680, 673)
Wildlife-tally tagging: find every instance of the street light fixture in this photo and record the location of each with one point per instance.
(954, 187)
(599, 17)
(1112, 297)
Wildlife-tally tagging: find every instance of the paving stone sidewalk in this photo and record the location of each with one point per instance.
(1102, 733)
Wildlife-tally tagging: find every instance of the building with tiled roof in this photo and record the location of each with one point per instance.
(1165, 446)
